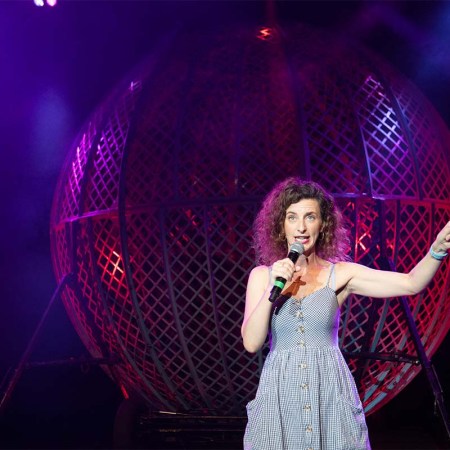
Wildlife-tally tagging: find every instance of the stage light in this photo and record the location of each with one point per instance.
(265, 33)
(44, 2)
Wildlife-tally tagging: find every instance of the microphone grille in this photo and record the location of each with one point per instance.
(297, 247)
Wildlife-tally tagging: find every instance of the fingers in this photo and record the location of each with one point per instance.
(283, 268)
(445, 232)
(442, 242)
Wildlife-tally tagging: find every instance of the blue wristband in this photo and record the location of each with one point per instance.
(438, 256)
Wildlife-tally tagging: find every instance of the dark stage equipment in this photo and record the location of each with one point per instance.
(155, 202)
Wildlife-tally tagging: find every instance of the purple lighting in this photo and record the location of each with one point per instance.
(52, 2)
(154, 207)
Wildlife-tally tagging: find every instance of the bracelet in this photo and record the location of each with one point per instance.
(438, 256)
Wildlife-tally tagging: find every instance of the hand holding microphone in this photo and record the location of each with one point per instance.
(295, 251)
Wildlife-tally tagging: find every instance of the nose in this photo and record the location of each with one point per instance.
(301, 226)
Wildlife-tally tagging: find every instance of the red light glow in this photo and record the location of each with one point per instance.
(265, 33)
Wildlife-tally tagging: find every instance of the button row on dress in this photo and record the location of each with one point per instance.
(300, 328)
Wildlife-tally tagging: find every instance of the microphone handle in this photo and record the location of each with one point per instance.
(276, 289)
(296, 250)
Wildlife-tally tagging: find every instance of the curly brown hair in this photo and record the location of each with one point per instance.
(269, 239)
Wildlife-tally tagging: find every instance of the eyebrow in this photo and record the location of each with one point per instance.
(305, 214)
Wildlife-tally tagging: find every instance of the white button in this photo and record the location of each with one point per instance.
(301, 329)
(299, 314)
(302, 366)
(304, 385)
(307, 407)
(301, 343)
(309, 428)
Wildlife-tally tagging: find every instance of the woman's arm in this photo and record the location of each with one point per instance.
(361, 280)
(257, 305)
(257, 309)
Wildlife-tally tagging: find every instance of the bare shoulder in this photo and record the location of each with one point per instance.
(257, 284)
(259, 274)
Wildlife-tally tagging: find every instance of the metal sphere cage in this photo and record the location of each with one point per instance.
(155, 204)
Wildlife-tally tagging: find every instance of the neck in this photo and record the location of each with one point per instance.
(305, 261)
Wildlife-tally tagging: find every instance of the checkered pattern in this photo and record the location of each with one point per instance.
(307, 398)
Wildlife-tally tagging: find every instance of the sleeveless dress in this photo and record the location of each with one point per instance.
(306, 398)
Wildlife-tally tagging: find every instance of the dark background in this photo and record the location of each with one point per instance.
(56, 65)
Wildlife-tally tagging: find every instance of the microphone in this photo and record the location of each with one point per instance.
(295, 251)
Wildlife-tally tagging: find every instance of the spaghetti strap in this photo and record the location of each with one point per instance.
(332, 278)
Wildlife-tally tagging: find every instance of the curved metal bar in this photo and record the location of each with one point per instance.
(232, 392)
(176, 314)
(400, 116)
(73, 224)
(362, 143)
(122, 211)
(103, 297)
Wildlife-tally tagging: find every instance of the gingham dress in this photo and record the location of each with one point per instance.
(306, 398)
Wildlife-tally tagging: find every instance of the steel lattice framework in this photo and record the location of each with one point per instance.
(155, 204)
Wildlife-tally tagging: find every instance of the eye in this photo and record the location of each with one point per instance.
(311, 217)
(291, 218)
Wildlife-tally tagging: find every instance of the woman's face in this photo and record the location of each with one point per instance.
(303, 223)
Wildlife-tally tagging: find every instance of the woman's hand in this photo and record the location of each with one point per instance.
(284, 268)
(442, 241)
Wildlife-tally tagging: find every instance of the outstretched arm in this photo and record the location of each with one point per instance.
(360, 280)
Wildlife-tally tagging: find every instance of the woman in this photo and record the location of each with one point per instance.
(307, 398)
